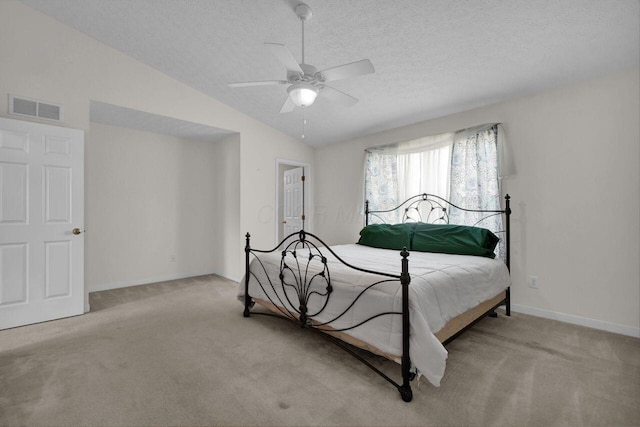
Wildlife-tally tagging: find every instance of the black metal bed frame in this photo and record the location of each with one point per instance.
(310, 278)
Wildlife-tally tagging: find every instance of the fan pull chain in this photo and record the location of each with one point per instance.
(304, 120)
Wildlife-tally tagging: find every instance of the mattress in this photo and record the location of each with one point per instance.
(442, 287)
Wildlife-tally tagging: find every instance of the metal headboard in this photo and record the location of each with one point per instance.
(435, 209)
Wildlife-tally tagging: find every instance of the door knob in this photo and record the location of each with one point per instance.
(76, 231)
(284, 222)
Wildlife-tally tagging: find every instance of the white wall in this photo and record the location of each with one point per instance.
(227, 202)
(576, 213)
(44, 59)
(153, 208)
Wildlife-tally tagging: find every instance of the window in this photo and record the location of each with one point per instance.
(460, 166)
(397, 172)
(425, 171)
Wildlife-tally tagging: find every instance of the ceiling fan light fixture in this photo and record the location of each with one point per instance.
(303, 94)
(304, 81)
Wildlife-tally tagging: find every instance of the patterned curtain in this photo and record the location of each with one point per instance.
(474, 179)
(381, 184)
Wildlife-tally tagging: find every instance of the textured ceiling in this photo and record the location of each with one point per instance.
(432, 57)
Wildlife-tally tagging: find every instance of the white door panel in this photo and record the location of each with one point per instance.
(41, 202)
(293, 200)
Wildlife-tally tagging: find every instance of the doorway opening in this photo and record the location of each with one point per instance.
(292, 205)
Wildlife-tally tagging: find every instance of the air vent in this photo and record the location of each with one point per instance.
(21, 106)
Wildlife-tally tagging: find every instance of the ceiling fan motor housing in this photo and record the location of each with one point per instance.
(311, 75)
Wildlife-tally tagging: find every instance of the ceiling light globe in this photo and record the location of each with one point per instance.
(303, 94)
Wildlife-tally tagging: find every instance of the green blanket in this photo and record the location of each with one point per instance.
(423, 237)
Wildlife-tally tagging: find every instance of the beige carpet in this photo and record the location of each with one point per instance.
(180, 353)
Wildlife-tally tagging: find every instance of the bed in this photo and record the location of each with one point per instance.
(396, 293)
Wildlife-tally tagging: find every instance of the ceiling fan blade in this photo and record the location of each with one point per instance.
(335, 95)
(288, 106)
(353, 69)
(281, 52)
(263, 83)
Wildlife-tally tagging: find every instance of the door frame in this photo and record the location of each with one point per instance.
(281, 166)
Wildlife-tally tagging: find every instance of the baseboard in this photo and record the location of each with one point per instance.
(232, 278)
(577, 320)
(126, 283)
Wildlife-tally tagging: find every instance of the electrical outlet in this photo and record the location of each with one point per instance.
(172, 258)
(533, 282)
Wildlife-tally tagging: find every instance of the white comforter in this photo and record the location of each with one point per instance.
(442, 287)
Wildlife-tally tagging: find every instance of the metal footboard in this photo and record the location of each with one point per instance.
(304, 274)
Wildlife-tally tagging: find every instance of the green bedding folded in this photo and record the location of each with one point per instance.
(423, 237)
(454, 239)
(386, 236)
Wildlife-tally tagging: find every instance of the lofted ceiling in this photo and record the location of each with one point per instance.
(432, 57)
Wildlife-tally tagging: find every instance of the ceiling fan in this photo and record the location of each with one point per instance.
(304, 80)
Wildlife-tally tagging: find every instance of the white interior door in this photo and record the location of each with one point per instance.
(293, 200)
(41, 222)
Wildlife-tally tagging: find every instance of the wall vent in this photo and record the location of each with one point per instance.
(21, 106)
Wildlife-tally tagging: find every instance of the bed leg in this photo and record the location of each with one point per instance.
(406, 393)
(247, 298)
(405, 279)
(507, 211)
